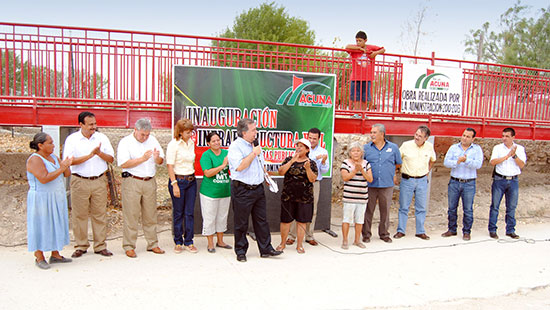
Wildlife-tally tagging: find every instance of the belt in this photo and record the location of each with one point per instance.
(462, 180)
(406, 176)
(249, 187)
(129, 175)
(189, 177)
(505, 177)
(88, 178)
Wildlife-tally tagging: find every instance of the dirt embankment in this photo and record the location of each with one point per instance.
(534, 183)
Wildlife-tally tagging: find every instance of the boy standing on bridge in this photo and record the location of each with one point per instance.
(362, 70)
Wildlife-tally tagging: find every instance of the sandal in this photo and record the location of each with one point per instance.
(359, 244)
(226, 246)
(300, 250)
(280, 247)
(54, 260)
(345, 246)
(42, 264)
(191, 248)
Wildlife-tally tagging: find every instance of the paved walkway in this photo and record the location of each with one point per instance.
(408, 272)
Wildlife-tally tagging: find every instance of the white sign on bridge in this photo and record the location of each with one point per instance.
(431, 90)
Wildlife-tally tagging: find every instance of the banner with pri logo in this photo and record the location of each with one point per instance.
(431, 90)
(285, 105)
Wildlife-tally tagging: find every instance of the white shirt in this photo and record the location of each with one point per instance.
(508, 168)
(313, 156)
(76, 145)
(181, 154)
(130, 148)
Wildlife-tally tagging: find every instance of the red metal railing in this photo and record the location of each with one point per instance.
(49, 73)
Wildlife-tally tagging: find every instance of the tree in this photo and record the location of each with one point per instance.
(521, 41)
(268, 22)
(10, 67)
(271, 23)
(412, 32)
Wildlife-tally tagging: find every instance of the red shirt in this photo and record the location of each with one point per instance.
(362, 68)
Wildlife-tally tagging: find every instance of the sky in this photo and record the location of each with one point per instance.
(447, 23)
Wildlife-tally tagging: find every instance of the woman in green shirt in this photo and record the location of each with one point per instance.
(215, 192)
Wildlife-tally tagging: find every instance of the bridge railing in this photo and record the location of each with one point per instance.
(50, 65)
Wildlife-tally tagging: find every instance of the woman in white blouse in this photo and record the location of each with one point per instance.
(182, 185)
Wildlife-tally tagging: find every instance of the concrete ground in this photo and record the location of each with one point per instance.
(443, 273)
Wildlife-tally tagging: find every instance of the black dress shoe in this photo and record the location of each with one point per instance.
(448, 233)
(241, 258)
(398, 235)
(513, 235)
(493, 235)
(423, 236)
(104, 252)
(78, 253)
(271, 252)
(386, 239)
(366, 239)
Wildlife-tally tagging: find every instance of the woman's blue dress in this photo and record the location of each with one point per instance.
(47, 213)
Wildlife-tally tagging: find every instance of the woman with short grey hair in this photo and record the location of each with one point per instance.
(356, 172)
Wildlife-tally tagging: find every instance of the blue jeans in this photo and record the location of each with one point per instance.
(183, 208)
(361, 90)
(408, 188)
(509, 189)
(465, 191)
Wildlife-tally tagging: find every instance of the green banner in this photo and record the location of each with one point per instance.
(285, 105)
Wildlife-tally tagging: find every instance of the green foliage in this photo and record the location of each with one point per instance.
(9, 60)
(268, 22)
(522, 41)
(26, 79)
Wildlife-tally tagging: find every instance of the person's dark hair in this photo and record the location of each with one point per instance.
(242, 126)
(510, 130)
(315, 130)
(38, 138)
(83, 115)
(470, 129)
(361, 35)
(211, 135)
(425, 130)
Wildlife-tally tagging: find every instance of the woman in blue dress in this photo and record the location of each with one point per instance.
(47, 214)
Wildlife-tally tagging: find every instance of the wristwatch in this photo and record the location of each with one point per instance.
(515, 156)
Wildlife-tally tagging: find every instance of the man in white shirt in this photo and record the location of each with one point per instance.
(91, 151)
(508, 158)
(320, 156)
(137, 155)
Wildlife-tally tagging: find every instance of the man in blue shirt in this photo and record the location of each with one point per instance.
(247, 191)
(384, 158)
(464, 158)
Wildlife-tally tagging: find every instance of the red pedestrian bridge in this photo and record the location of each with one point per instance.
(49, 74)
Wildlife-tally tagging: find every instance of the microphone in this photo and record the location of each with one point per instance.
(255, 142)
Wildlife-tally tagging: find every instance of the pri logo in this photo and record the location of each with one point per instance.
(297, 93)
(433, 81)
